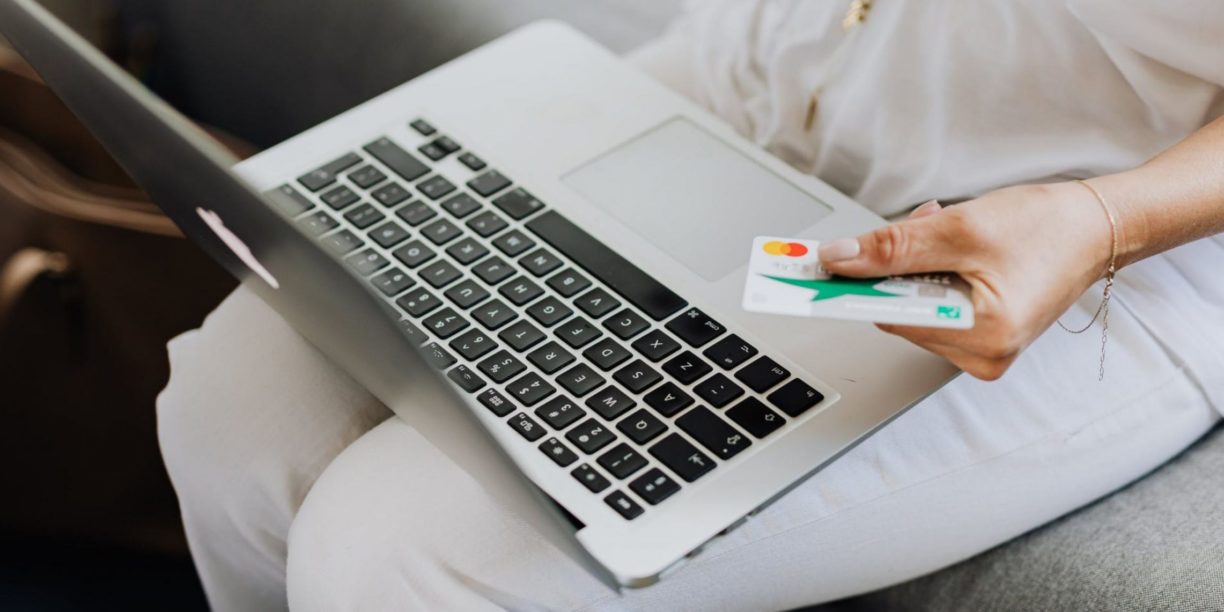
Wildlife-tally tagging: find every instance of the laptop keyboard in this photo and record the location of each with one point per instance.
(610, 374)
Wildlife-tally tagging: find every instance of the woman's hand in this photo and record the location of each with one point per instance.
(1027, 252)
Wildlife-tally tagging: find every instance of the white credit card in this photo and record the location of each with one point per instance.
(785, 277)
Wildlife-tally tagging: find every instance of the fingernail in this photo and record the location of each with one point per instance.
(839, 250)
(926, 208)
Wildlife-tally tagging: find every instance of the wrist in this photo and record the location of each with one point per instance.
(1126, 198)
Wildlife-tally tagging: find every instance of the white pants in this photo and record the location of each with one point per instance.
(298, 488)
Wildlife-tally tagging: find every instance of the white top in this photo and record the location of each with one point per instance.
(949, 99)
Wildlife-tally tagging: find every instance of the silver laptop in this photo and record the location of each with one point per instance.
(564, 241)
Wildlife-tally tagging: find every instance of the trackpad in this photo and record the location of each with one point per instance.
(695, 196)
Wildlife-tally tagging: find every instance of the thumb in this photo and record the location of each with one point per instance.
(912, 246)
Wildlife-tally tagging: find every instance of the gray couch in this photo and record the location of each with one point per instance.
(1157, 545)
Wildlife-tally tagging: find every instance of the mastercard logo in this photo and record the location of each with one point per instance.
(789, 249)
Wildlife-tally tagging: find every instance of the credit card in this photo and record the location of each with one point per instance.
(785, 277)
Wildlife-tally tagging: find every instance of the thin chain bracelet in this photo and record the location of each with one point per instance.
(1102, 311)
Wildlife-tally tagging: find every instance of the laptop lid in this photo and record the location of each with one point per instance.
(187, 174)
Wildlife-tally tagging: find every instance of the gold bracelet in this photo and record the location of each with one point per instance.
(1102, 311)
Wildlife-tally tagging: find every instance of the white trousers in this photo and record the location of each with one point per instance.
(299, 489)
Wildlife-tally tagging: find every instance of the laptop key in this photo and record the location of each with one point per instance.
(501, 366)
(493, 271)
(521, 290)
(473, 344)
(540, 262)
(695, 327)
(641, 426)
(389, 234)
(656, 345)
(414, 253)
(438, 357)
(560, 412)
(626, 324)
(526, 427)
(489, 183)
(597, 303)
(423, 127)
(418, 302)
(366, 177)
(467, 250)
(340, 198)
(326, 174)
(590, 478)
(762, 374)
(341, 243)
(550, 357)
(549, 311)
(718, 390)
(606, 354)
(435, 187)
(642, 290)
(432, 151)
(367, 262)
(445, 323)
(713, 433)
(494, 314)
(681, 457)
(529, 389)
(637, 376)
(487, 223)
(513, 243)
(610, 402)
(466, 379)
(446, 144)
(580, 380)
(521, 336)
(364, 216)
(577, 332)
(460, 205)
(416, 213)
(558, 452)
(412, 332)
(440, 273)
(590, 436)
(687, 367)
(392, 282)
(398, 160)
(441, 231)
(475, 164)
(289, 200)
(568, 282)
(654, 486)
(466, 294)
(622, 461)
(390, 194)
(795, 397)
(668, 399)
(627, 508)
(518, 203)
(755, 417)
(496, 402)
(730, 352)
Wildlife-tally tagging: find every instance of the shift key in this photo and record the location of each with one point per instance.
(713, 432)
(682, 457)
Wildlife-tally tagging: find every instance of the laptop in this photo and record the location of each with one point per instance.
(535, 255)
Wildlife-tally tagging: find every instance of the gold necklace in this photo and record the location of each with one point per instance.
(855, 17)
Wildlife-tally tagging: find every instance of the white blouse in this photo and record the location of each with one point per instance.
(948, 99)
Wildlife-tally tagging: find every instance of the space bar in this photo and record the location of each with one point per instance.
(623, 277)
